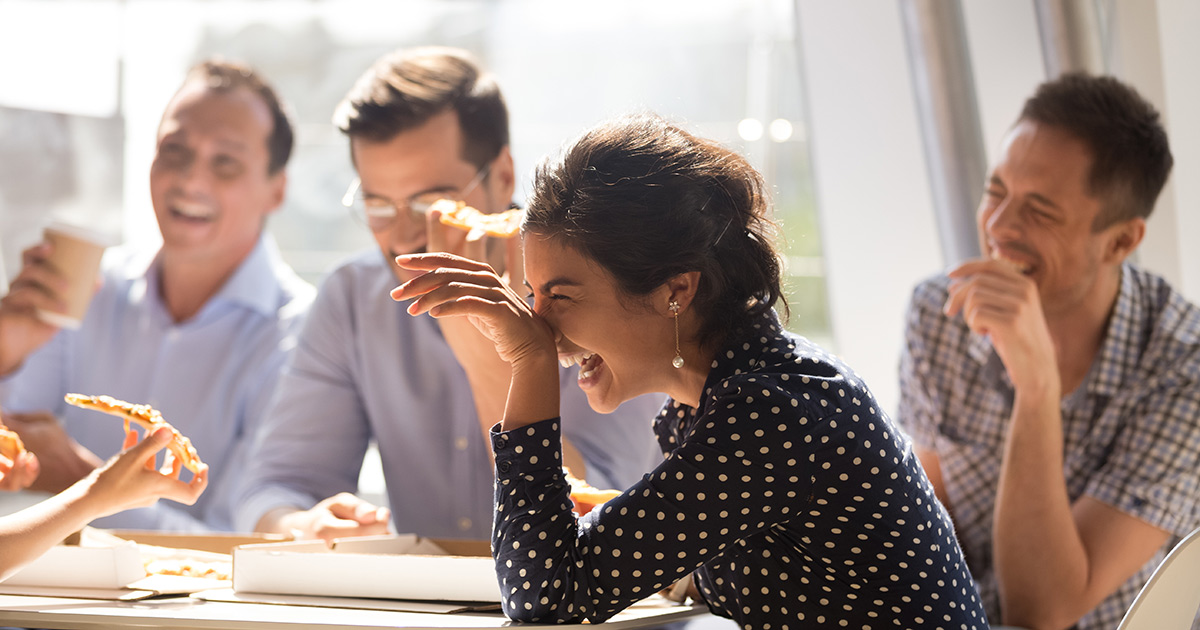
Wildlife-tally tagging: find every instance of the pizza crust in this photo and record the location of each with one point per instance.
(148, 418)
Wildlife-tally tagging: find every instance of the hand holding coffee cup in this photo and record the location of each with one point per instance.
(75, 256)
(57, 280)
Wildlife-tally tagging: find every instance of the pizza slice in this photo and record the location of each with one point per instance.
(586, 497)
(148, 418)
(458, 214)
(11, 445)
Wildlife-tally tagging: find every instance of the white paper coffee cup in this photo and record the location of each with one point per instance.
(76, 255)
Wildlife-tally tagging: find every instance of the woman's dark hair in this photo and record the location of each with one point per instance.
(1131, 157)
(647, 201)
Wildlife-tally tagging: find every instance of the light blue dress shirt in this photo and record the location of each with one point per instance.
(364, 369)
(210, 376)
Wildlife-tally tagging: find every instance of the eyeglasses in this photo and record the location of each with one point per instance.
(379, 213)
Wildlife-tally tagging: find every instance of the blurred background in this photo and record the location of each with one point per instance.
(872, 120)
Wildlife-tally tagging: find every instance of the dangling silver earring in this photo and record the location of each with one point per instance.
(678, 360)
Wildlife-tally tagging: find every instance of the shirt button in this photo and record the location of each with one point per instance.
(464, 523)
(501, 442)
(504, 466)
(460, 443)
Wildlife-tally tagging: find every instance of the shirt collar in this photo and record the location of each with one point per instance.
(253, 285)
(1121, 338)
(739, 355)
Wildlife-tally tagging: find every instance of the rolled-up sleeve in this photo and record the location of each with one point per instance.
(1153, 472)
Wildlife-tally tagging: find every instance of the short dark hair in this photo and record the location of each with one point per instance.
(647, 201)
(1131, 157)
(222, 75)
(406, 88)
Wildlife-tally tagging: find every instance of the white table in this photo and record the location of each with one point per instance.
(186, 613)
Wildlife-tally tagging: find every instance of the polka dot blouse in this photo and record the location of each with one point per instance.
(791, 497)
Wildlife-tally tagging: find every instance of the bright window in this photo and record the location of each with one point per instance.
(78, 112)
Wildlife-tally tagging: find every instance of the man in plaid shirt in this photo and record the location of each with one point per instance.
(1052, 389)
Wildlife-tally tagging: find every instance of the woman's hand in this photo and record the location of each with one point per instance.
(129, 480)
(456, 286)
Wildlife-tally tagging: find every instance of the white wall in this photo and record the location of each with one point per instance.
(877, 223)
(1178, 23)
(1006, 56)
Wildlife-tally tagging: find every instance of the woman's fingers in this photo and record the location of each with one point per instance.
(436, 260)
(448, 294)
(443, 276)
(181, 492)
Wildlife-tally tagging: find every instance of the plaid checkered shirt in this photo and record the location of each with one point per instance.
(1131, 431)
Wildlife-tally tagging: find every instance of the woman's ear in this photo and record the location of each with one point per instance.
(680, 289)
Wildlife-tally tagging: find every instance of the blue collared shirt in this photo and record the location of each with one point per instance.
(210, 376)
(364, 369)
(1131, 430)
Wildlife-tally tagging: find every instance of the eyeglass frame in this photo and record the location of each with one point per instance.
(388, 210)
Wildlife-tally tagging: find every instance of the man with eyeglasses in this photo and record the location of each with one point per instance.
(424, 125)
(199, 328)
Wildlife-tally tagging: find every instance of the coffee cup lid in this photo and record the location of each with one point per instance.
(83, 233)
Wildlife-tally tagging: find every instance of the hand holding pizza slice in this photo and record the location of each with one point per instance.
(11, 445)
(149, 419)
(19, 467)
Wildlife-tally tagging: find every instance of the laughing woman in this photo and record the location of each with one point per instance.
(785, 491)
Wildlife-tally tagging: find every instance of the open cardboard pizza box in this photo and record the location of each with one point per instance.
(106, 564)
(406, 566)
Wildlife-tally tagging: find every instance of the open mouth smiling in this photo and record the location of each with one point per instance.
(192, 212)
(587, 361)
(1023, 268)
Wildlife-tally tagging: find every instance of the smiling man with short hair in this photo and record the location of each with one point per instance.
(423, 124)
(1052, 389)
(198, 328)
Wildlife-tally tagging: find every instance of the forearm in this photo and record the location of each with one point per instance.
(487, 374)
(1042, 565)
(277, 521)
(533, 392)
(10, 357)
(29, 533)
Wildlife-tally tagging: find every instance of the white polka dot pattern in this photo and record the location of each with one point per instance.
(793, 499)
